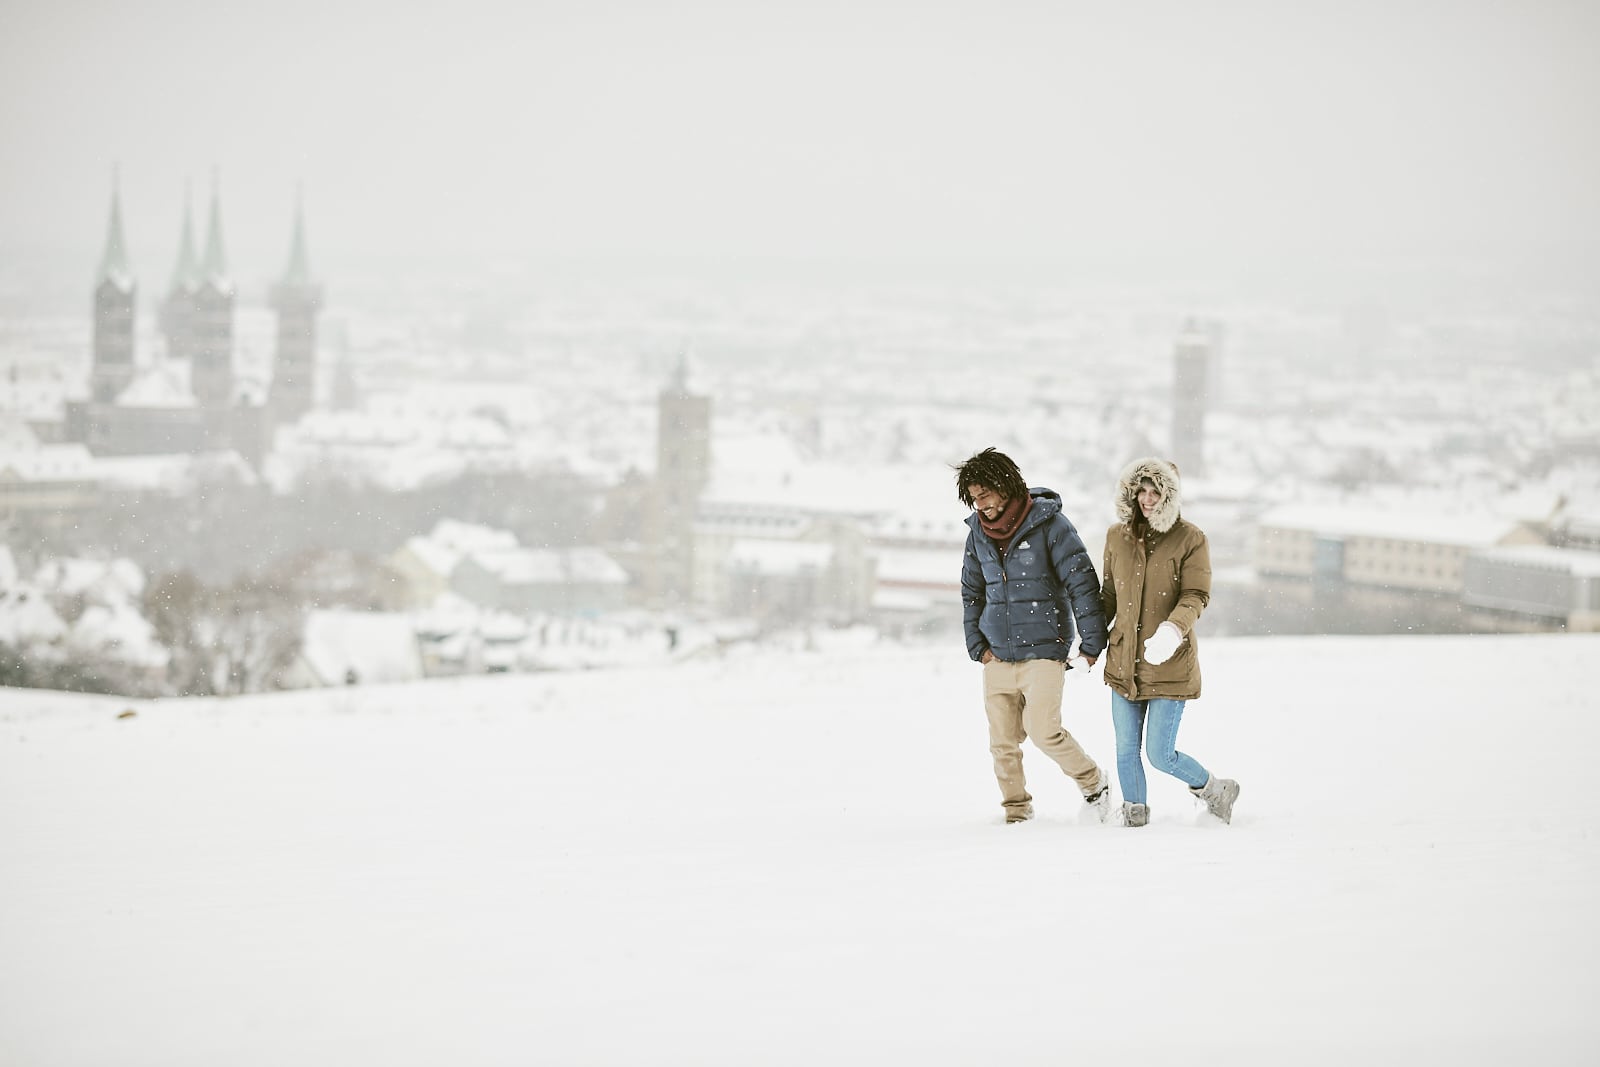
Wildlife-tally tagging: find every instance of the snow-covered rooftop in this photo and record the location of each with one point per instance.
(744, 476)
(48, 463)
(170, 472)
(373, 647)
(779, 558)
(165, 385)
(1401, 524)
(918, 566)
(551, 566)
(26, 617)
(1573, 561)
(458, 536)
(119, 579)
(439, 558)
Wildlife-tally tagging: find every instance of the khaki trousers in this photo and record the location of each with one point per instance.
(1024, 700)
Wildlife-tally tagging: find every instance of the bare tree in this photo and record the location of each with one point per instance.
(233, 639)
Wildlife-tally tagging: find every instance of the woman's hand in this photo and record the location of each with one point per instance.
(1163, 643)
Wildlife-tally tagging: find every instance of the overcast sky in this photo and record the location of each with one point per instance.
(860, 131)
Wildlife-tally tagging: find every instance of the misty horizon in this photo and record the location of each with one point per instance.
(877, 142)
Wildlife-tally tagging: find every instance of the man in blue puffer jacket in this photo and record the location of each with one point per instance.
(1025, 577)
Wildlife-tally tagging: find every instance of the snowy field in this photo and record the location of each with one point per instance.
(798, 859)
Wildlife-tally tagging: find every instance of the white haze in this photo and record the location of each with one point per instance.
(1154, 138)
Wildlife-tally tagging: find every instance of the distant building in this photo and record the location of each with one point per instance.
(355, 648)
(424, 569)
(1576, 528)
(1422, 551)
(297, 299)
(115, 293)
(1191, 389)
(525, 581)
(392, 451)
(189, 400)
(683, 436)
(488, 569)
(1538, 580)
(211, 321)
(916, 572)
(50, 484)
(177, 307)
(683, 468)
(425, 564)
(784, 564)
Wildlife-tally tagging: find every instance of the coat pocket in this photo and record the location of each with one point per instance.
(1181, 669)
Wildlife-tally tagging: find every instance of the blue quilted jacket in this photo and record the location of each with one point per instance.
(1022, 605)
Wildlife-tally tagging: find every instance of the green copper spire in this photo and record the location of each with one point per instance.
(215, 267)
(299, 270)
(186, 274)
(114, 264)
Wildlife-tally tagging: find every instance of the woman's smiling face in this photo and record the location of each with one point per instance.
(1149, 497)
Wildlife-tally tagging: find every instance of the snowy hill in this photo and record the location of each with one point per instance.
(798, 859)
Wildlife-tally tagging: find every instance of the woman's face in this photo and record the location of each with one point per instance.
(1149, 497)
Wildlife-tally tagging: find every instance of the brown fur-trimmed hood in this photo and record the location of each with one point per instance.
(1165, 477)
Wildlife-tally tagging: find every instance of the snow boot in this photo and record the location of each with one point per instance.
(1134, 814)
(1020, 813)
(1219, 795)
(1099, 801)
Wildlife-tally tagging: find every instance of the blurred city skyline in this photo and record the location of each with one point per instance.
(1361, 142)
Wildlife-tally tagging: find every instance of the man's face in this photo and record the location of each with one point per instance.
(986, 501)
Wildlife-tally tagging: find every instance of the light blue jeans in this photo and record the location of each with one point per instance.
(1130, 718)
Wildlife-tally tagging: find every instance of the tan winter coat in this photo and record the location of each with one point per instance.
(1154, 572)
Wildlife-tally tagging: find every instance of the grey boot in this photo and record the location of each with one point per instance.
(1219, 795)
(1134, 814)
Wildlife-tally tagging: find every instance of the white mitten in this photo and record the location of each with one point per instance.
(1163, 643)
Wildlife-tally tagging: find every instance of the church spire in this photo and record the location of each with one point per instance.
(299, 270)
(114, 295)
(185, 274)
(215, 267)
(297, 299)
(114, 264)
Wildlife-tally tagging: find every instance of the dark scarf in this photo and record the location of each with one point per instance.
(1005, 525)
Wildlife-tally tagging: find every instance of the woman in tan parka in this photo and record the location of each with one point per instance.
(1156, 582)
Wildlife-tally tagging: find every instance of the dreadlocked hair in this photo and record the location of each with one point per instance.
(991, 469)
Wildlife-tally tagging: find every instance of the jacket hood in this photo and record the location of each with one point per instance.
(1048, 497)
(1165, 477)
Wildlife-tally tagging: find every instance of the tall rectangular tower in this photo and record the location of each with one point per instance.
(297, 300)
(683, 469)
(177, 310)
(114, 299)
(1191, 388)
(211, 370)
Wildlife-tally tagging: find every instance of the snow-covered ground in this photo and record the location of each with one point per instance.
(798, 859)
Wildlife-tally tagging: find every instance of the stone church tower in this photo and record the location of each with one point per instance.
(177, 309)
(683, 468)
(297, 300)
(115, 293)
(1191, 377)
(211, 372)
